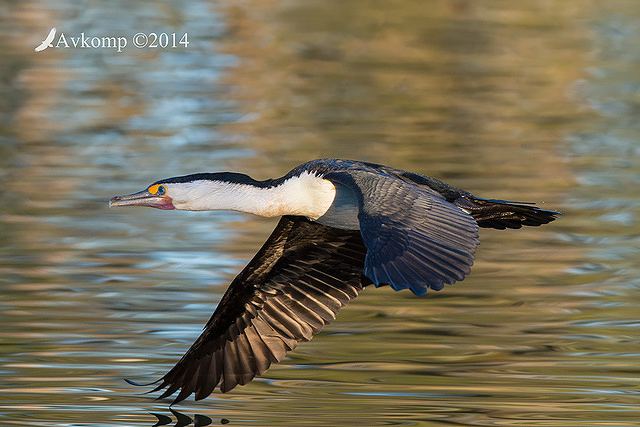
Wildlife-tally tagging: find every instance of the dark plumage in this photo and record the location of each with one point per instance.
(385, 226)
(291, 289)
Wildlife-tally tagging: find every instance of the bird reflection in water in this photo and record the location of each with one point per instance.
(182, 420)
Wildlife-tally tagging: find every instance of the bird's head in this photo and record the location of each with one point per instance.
(157, 195)
(196, 192)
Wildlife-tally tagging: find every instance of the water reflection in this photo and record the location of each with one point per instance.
(184, 420)
(529, 101)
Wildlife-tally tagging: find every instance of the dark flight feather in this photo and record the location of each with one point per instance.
(415, 239)
(294, 286)
(502, 214)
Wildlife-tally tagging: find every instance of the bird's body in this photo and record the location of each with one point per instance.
(345, 225)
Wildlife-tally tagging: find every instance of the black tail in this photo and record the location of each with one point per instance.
(503, 214)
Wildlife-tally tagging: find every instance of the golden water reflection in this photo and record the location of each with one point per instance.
(533, 101)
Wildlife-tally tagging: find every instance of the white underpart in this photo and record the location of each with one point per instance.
(343, 212)
(306, 195)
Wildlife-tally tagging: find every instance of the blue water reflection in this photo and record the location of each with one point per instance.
(534, 101)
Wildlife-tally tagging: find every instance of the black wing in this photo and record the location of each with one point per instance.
(488, 213)
(296, 283)
(415, 239)
(502, 214)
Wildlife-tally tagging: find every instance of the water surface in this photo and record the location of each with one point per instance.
(534, 102)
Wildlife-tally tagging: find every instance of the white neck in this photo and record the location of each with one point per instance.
(305, 195)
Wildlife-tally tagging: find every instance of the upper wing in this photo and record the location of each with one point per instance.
(415, 239)
(488, 213)
(296, 283)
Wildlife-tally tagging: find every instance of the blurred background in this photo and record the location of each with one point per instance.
(531, 101)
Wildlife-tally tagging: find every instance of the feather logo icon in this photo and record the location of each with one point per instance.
(47, 41)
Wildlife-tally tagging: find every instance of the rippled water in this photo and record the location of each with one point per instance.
(535, 101)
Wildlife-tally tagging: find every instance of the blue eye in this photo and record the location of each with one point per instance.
(161, 190)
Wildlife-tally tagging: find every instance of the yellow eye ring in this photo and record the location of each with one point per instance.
(157, 190)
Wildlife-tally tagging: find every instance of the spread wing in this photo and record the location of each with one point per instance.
(295, 285)
(415, 239)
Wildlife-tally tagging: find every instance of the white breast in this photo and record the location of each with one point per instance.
(343, 212)
(305, 195)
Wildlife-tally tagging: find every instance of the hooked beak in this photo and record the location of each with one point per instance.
(143, 198)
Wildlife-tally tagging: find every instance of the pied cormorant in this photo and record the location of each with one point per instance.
(345, 225)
